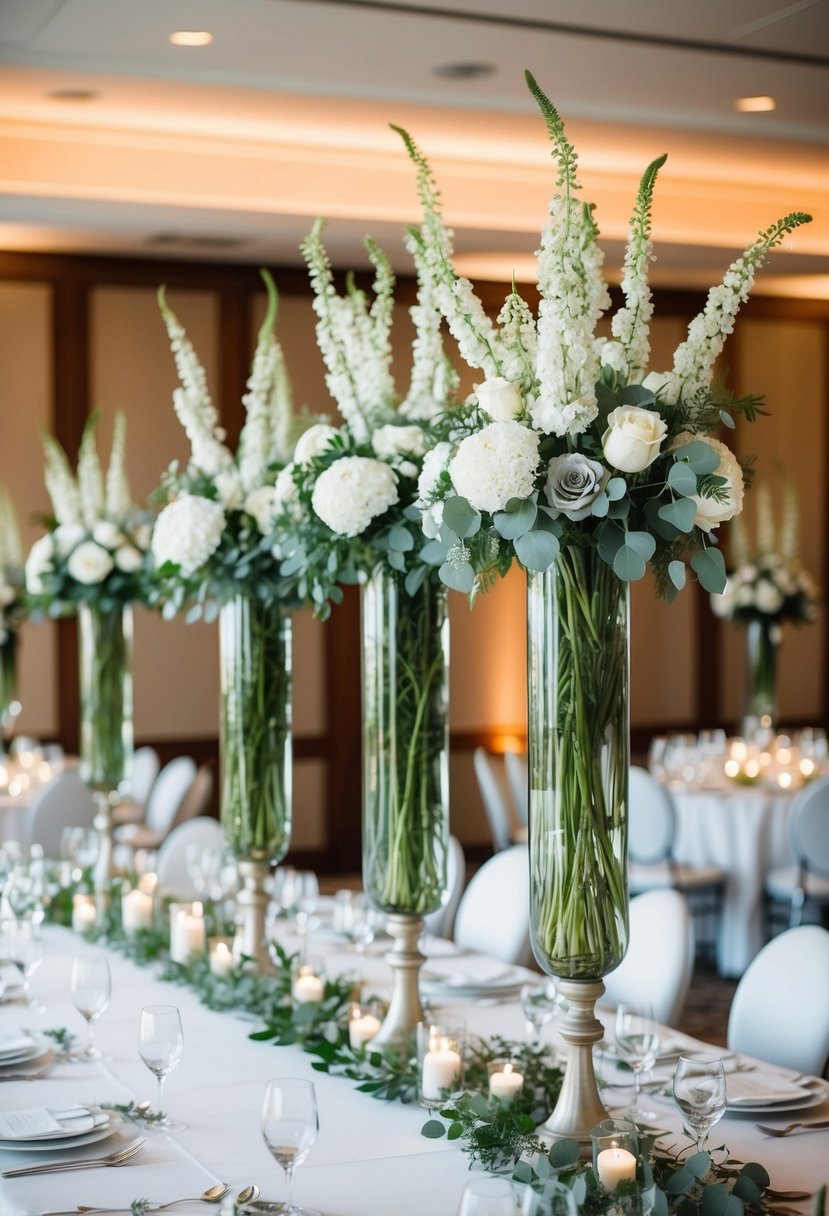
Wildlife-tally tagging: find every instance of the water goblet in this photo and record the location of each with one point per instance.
(160, 1044)
(538, 1004)
(289, 1123)
(90, 984)
(700, 1093)
(637, 1042)
(488, 1197)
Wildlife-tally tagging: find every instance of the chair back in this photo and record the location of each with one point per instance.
(64, 802)
(651, 819)
(780, 1011)
(171, 865)
(809, 827)
(494, 912)
(169, 789)
(196, 797)
(660, 956)
(143, 772)
(440, 923)
(516, 765)
(493, 796)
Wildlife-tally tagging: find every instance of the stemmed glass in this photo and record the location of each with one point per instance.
(488, 1197)
(160, 1044)
(538, 1003)
(289, 1127)
(700, 1093)
(637, 1042)
(91, 986)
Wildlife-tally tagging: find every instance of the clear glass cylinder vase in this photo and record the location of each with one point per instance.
(105, 680)
(255, 735)
(762, 647)
(8, 681)
(579, 754)
(405, 744)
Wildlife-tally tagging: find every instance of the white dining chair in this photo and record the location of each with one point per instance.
(795, 888)
(165, 806)
(143, 772)
(515, 764)
(492, 785)
(494, 913)
(660, 956)
(64, 802)
(780, 1011)
(441, 922)
(171, 864)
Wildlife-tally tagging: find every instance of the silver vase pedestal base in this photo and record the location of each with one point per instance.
(579, 1107)
(405, 960)
(104, 824)
(253, 901)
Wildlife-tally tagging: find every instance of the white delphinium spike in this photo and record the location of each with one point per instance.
(433, 379)
(630, 325)
(374, 376)
(695, 357)
(519, 342)
(283, 421)
(255, 439)
(61, 484)
(192, 402)
(90, 475)
(790, 522)
(117, 500)
(765, 520)
(11, 547)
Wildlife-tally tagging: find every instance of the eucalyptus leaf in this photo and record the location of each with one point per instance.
(680, 1182)
(629, 565)
(727, 420)
(701, 457)
(620, 509)
(637, 394)
(682, 478)
(459, 576)
(512, 524)
(642, 542)
(699, 1164)
(564, 1152)
(756, 1172)
(600, 505)
(434, 552)
(747, 1189)
(681, 513)
(611, 538)
(537, 550)
(676, 573)
(415, 579)
(400, 538)
(709, 567)
(616, 488)
(458, 515)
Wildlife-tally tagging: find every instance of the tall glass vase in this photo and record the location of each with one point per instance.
(105, 679)
(763, 637)
(255, 665)
(579, 755)
(405, 772)
(8, 685)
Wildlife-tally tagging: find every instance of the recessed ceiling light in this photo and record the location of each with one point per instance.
(73, 94)
(464, 70)
(754, 105)
(191, 38)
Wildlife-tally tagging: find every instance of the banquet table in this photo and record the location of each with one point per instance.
(369, 1158)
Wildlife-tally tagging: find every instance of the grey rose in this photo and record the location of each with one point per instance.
(574, 483)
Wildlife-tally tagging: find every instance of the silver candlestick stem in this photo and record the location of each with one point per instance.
(405, 960)
(579, 1106)
(103, 823)
(253, 899)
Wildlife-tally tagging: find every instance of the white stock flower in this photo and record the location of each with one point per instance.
(434, 463)
(574, 483)
(390, 442)
(665, 384)
(89, 563)
(500, 399)
(710, 511)
(612, 354)
(229, 487)
(128, 559)
(40, 560)
(66, 536)
(495, 464)
(633, 438)
(261, 504)
(188, 532)
(107, 534)
(313, 442)
(353, 492)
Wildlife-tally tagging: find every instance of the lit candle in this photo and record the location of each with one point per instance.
(441, 1069)
(136, 911)
(148, 883)
(187, 932)
(83, 912)
(614, 1165)
(221, 958)
(361, 1027)
(506, 1082)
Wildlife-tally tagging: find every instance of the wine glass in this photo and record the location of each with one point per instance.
(90, 984)
(700, 1093)
(160, 1044)
(488, 1197)
(637, 1042)
(538, 1003)
(289, 1123)
(305, 904)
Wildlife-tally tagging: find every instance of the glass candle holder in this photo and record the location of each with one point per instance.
(188, 935)
(439, 1060)
(505, 1080)
(615, 1150)
(83, 912)
(307, 984)
(363, 1025)
(220, 950)
(136, 911)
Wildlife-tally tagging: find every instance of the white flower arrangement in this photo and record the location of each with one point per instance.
(96, 549)
(12, 606)
(651, 485)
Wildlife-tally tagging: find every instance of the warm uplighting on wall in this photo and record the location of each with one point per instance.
(191, 38)
(754, 105)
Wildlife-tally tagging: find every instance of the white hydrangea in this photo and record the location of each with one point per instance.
(711, 512)
(188, 532)
(89, 563)
(39, 562)
(313, 442)
(352, 492)
(390, 442)
(495, 464)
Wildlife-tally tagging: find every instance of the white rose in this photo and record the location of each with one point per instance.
(711, 512)
(107, 534)
(500, 399)
(391, 441)
(142, 535)
(352, 492)
(495, 464)
(661, 382)
(7, 594)
(767, 597)
(313, 442)
(574, 483)
(229, 488)
(633, 438)
(262, 504)
(40, 559)
(89, 563)
(66, 536)
(128, 558)
(188, 532)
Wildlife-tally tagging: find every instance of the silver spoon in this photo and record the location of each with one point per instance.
(248, 1194)
(212, 1195)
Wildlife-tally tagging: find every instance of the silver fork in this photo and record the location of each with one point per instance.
(790, 1127)
(123, 1157)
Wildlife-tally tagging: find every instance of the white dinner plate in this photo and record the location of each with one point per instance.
(445, 987)
(58, 1144)
(39, 1045)
(816, 1091)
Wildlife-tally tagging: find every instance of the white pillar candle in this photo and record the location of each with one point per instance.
(361, 1028)
(221, 958)
(614, 1165)
(307, 988)
(506, 1083)
(441, 1069)
(187, 933)
(83, 912)
(136, 911)
(148, 883)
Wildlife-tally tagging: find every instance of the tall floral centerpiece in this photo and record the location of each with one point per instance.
(12, 612)
(767, 586)
(213, 557)
(93, 563)
(348, 516)
(575, 460)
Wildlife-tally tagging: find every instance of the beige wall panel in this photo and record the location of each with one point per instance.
(488, 658)
(309, 798)
(25, 405)
(176, 665)
(467, 818)
(309, 712)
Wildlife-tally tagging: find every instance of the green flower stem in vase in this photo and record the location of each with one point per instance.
(762, 646)
(8, 682)
(255, 661)
(578, 726)
(405, 771)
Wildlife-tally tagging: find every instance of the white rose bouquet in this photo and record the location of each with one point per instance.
(569, 439)
(96, 549)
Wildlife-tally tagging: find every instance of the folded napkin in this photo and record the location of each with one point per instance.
(439, 947)
(468, 973)
(43, 1123)
(15, 1041)
(762, 1087)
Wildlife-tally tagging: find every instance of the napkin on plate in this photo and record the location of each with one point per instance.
(762, 1087)
(48, 1123)
(15, 1041)
(468, 973)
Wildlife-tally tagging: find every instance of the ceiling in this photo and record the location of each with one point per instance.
(229, 151)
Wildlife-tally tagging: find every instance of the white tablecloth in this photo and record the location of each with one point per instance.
(369, 1158)
(745, 833)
